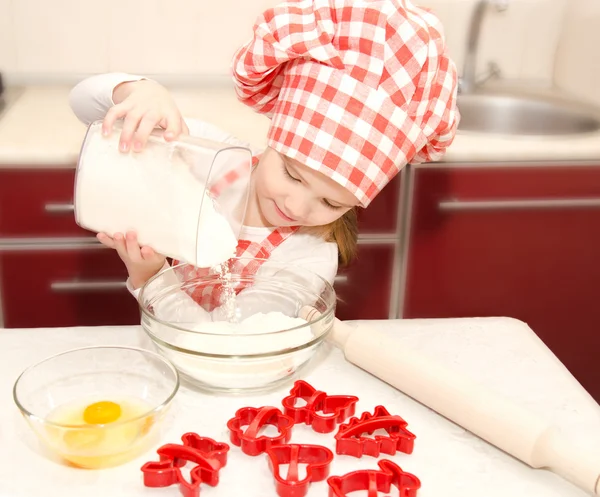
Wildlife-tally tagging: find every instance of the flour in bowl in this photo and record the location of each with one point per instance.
(155, 194)
(260, 333)
(261, 322)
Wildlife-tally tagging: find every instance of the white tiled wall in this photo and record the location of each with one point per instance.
(522, 39)
(8, 56)
(54, 36)
(179, 36)
(69, 37)
(577, 69)
(44, 38)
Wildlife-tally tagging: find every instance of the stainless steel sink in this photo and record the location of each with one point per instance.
(512, 113)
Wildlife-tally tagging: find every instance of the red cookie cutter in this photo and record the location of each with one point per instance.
(349, 439)
(317, 459)
(335, 408)
(208, 455)
(255, 419)
(210, 449)
(373, 481)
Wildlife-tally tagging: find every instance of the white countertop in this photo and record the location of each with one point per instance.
(504, 354)
(40, 130)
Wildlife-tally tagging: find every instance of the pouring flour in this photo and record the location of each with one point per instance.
(176, 196)
(186, 199)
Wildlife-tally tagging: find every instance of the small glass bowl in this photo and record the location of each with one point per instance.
(53, 394)
(203, 344)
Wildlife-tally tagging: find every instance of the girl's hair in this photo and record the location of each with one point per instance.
(344, 232)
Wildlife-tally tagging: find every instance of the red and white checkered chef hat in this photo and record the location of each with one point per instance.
(355, 89)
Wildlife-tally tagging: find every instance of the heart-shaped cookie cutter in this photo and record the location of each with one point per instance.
(316, 457)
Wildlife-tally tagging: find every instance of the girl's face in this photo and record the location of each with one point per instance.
(287, 193)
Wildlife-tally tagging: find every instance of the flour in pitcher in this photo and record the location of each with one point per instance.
(155, 194)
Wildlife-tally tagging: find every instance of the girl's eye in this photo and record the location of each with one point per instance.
(287, 173)
(331, 206)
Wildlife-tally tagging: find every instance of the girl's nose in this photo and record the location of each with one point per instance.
(297, 207)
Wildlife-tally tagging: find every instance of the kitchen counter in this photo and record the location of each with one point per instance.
(503, 354)
(40, 130)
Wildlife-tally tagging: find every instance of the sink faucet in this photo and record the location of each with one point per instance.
(468, 81)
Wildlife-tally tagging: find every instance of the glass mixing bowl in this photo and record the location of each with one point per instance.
(234, 332)
(97, 406)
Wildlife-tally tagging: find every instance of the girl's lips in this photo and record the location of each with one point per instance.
(282, 214)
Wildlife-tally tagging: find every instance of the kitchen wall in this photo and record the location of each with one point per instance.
(62, 40)
(522, 39)
(577, 69)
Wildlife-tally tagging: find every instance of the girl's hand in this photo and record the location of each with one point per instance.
(144, 105)
(141, 262)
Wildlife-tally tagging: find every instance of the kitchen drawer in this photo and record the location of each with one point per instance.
(452, 183)
(37, 202)
(364, 288)
(65, 287)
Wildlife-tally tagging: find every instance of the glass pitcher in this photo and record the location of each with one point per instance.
(186, 199)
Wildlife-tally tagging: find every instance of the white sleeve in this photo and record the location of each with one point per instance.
(91, 98)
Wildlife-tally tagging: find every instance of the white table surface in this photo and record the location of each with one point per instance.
(504, 354)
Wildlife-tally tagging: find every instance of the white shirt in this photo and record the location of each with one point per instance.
(91, 99)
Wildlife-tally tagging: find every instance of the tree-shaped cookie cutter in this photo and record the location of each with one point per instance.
(350, 439)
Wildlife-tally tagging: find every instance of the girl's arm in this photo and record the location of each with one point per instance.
(91, 99)
(142, 104)
(108, 97)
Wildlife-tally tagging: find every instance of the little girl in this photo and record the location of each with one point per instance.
(355, 90)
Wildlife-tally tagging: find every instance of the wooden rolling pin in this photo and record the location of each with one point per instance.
(495, 419)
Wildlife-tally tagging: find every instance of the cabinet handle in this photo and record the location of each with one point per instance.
(507, 205)
(49, 243)
(59, 208)
(77, 286)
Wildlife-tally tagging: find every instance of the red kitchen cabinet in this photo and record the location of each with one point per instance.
(520, 241)
(37, 203)
(82, 285)
(367, 288)
(364, 288)
(75, 286)
(382, 214)
(53, 273)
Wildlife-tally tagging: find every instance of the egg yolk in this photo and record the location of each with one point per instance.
(100, 413)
